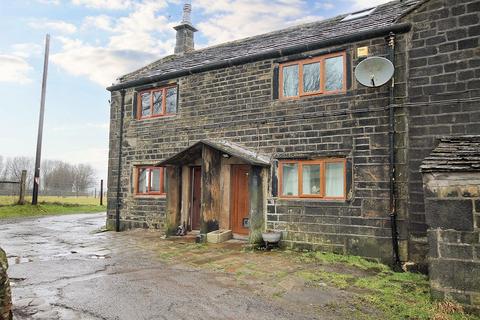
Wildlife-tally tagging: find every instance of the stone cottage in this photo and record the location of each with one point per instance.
(274, 132)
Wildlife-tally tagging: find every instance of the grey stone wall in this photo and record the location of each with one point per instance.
(435, 63)
(5, 294)
(443, 90)
(238, 104)
(452, 204)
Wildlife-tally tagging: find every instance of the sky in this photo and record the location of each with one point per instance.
(93, 42)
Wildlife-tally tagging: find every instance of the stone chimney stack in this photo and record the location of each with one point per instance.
(185, 31)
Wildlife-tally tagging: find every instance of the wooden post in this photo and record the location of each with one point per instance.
(23, 185)
(101, 192)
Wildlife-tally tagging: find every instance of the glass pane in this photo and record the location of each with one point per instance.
(171, 100)
(155, 182)
(290, 179)
(311, 77)
(311, 179)
(335, 183)
(142, 181)
(146, 104)
(334, 74)
(290, 81)
(157, 102)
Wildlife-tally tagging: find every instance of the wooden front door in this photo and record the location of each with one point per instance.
(196, 183)
(240, 205)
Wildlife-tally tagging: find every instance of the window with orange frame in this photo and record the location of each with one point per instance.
(150, 180)
(323, 178)
(157, 102)
(314, 76)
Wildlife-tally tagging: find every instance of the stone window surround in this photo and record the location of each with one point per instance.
(136, 173)
(322, 162)
(151, 91)
(320, 59)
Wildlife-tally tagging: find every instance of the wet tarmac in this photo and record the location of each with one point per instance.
(63, 267)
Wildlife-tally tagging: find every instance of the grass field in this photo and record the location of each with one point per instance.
(49, 205)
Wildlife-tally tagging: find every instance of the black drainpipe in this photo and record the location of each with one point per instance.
(119, 173)
(391, 147)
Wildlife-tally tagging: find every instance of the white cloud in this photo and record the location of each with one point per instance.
(14, 69)
(54, 2)
(324, 5)
(104, 4)
(53, 25)
(147, 34)
(101, 22)
(234, 19)
(99, 64)
(26, 50)
(134, 40)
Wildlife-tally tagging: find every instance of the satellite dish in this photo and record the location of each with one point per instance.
(374, 71)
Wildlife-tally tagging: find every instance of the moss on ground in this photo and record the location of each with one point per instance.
(398, 295)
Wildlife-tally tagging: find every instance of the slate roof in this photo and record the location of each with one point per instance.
(384, 16)
(195, 151)
(454, 154)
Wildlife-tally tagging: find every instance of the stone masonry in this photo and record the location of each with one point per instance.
(443, 90)
(436, 93)
(5, 294)
(453, 217)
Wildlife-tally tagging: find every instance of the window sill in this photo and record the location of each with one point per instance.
(150, 196)
(312, 95)
(323, 200)
(167, 116)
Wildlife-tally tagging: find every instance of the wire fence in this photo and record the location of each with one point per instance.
(16, 192)
(9, 192)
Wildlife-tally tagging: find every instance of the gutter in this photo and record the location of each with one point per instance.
(270, 54)
(119, 169)
(391, 162)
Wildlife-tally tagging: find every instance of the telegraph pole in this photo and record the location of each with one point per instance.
(38, 158)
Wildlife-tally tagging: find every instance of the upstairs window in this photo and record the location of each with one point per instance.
(157, 102)
(319, 75)
(324, 178)
(151, 181)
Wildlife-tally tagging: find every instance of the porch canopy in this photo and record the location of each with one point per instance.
(231, 149)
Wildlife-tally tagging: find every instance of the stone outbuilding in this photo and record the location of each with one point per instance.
(451, 176)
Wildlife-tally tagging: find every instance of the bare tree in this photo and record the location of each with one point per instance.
(14, 166)
(1, 167)
(45, 173)
(56, 177)
(84, 177)
(61, 178)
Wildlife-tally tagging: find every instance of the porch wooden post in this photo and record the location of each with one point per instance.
(173, 199)
(211, 195)
(257, 198)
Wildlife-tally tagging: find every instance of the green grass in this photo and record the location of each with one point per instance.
(399, 295)
(9, 200)
(49, 206)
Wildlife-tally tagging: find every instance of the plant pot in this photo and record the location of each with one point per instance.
(271, 237)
